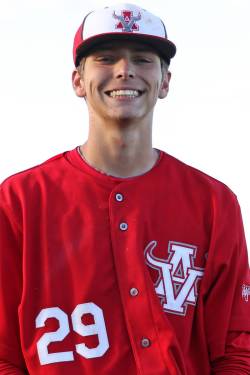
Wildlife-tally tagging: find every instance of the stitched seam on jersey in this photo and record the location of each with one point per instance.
(197, 171)
(54, 158)
(148, 291)
(102, 177)
(128, 326)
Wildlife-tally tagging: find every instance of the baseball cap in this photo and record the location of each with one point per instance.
(122, 22)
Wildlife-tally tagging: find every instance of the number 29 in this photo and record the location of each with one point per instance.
(97, 328)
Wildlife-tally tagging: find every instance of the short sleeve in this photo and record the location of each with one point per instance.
(227, 278)
(11, 359)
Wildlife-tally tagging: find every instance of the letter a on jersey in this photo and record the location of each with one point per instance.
(176, 285)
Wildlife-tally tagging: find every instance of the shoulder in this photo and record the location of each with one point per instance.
(32, 170)
(27, 180)
(196, 182)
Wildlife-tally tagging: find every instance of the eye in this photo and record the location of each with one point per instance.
(142, 59)
(105, 59)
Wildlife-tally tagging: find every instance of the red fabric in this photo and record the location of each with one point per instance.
(68, 269)
(236, 359)
(10, 369)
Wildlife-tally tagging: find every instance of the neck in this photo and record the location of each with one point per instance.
(124, 151)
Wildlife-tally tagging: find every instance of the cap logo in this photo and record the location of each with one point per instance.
(127, 21)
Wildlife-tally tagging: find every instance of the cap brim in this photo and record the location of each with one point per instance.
(164, 47)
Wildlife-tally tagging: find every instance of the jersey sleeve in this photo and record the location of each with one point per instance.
(240, 316)
(11, 359)
(227, 280)
(236, 360)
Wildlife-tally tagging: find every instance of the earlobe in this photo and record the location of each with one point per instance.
(78, 85)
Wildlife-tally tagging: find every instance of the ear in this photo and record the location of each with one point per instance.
(164, 85)
(78, 84)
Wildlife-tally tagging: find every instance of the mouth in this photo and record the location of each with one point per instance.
(126, 93)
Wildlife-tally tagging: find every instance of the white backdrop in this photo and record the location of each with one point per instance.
(204, 121)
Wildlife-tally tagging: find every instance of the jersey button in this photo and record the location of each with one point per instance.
(145, 343)
(134, 292)
(119, 197)
(123, 226)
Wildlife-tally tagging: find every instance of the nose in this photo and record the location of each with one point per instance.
(124, 69)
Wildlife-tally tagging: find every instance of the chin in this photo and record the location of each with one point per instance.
(126, 116)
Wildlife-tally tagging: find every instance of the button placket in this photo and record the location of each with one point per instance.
(123, 226)
(119, 197)
(145, 342)
(134, 292)
(135, 301)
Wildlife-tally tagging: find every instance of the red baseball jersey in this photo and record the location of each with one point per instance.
(104, 275)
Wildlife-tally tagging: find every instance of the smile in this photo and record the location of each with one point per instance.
(124, 93)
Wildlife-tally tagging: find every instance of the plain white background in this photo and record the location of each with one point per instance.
(204, 121)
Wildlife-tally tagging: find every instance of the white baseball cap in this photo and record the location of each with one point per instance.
(122, 22)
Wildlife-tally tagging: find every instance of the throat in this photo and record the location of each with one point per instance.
(121, 150)
(123, 164)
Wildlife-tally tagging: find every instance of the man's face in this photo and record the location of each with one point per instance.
(122, 81)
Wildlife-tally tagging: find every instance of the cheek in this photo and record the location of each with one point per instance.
(94, 85)
(156, 78)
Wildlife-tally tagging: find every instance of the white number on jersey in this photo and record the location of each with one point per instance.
(42, 344)
(98, 328)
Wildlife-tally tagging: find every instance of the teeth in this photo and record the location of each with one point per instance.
(128, 93)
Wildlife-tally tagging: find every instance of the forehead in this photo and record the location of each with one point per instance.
(117, 46)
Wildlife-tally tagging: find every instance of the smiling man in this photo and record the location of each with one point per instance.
(115, 257)
(121, 85)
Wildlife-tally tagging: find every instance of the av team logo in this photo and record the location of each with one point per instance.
(176, 285)
(245, 292)
(127, 21)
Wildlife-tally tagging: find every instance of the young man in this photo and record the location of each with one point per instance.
(116, 258)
